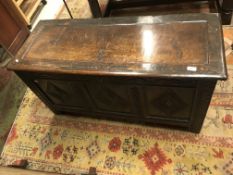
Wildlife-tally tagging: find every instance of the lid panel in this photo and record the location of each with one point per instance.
(171, 43)
(180, 46)
(62, 42)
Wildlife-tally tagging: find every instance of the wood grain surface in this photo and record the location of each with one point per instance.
(187, 45)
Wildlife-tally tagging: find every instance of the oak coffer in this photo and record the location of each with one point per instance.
(158, 70)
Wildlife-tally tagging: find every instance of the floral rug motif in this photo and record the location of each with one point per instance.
(12, 90)
(70, 145)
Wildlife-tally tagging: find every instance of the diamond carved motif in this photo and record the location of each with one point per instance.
(169, 102)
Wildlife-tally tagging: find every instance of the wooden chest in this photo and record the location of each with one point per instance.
(158, 70)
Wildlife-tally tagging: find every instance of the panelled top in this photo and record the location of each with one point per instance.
(174, 45)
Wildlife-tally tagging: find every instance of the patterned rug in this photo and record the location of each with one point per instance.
(69, 144)
(12, 90)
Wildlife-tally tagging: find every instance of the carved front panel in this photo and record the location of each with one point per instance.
(110, 97)
(66, 93)
(169, 102)
(87, 94)
(98, 95)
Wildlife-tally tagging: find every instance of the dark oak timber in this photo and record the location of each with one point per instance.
(159, 70)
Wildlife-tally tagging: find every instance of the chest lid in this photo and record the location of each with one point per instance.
(163, 46)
